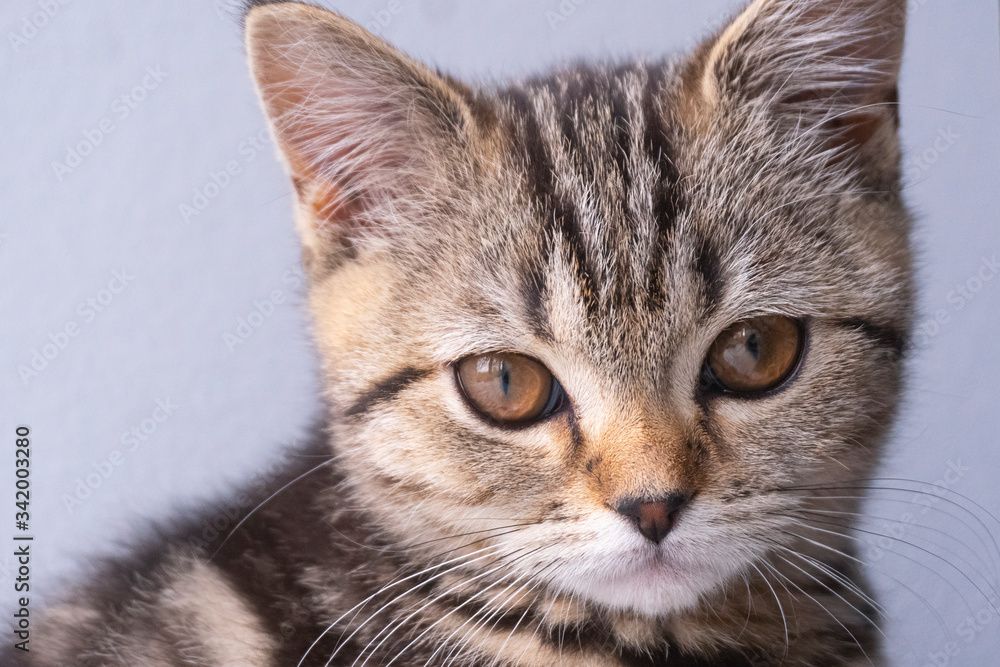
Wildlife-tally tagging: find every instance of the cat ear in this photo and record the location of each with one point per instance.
(828, 65)
(365, 130)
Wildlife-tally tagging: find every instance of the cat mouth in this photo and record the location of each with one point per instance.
(652, 579)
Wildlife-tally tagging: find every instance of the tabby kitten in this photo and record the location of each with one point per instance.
(594, 344)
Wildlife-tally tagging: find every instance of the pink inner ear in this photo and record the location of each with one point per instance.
(334, 198)
(833, 63)
(336, 211)
(351, 114)
(875, 106)
(860, 126)
(347, 148)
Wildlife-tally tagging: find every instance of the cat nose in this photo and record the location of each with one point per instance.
(654, 518)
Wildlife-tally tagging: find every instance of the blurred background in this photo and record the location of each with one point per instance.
(151, 328)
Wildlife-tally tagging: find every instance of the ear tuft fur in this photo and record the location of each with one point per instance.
(365, 130)
(829, 65)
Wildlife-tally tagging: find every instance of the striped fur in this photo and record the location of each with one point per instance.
(609, 220)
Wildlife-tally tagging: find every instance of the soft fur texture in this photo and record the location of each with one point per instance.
(609, 221)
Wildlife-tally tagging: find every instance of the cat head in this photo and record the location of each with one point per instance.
(594, 326)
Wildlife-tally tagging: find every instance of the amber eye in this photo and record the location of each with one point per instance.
(754, 355)
(508, 387)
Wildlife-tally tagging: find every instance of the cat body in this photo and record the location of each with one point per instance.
(602, 350)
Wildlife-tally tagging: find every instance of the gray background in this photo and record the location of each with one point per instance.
(63, 234)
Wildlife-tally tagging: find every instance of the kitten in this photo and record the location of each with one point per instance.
(598, 347)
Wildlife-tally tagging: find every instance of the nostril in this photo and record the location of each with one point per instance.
(654, 518)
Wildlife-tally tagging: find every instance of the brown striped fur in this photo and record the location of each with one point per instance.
(609, 220)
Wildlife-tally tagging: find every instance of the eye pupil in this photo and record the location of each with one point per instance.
(753, 345)
(753, 356)
(505, 378)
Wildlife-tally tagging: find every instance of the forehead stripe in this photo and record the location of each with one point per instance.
(560, 215)
(884, 336)
(385, 390)
(665, 202)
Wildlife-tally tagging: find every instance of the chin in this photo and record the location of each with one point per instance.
(647, 590)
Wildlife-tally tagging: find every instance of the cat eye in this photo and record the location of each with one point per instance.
(754, 355)
(509, 388)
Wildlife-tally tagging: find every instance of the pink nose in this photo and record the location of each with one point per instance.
(654, 518)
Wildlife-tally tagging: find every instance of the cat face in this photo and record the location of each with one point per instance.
(593, 331)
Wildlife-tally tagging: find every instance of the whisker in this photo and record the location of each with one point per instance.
(396, 624)
(863, 485)
(516, 626)
(780, 608)
(916, 546)
(381, 590)
(472, 619)
(460, 648)
(490, 614)
(562, 626)
(901, 104)
(454, 610)
(836, 594)
(901, 555)
(538, 626)
(447, 615)
(851, 586)
(989, 539)
(264, 502)
(392, 627)
(472, 532)
(823, 607)
(749, 606)
(853, 558)
(862, 517)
